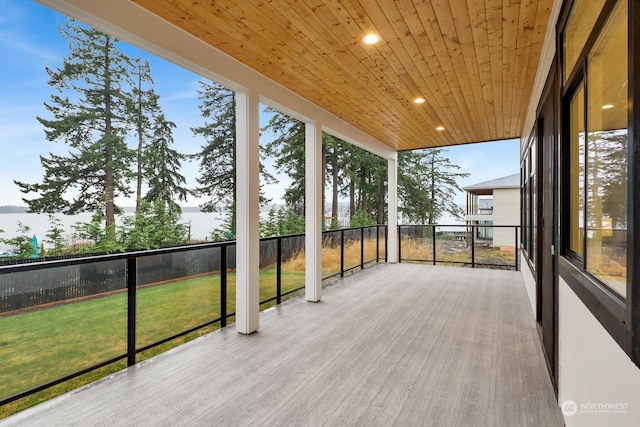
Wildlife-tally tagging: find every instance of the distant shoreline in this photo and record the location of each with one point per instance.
(13, 209)
(10, 209)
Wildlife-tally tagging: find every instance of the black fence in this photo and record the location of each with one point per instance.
(37, 285)
(62, 280)
(476, 245)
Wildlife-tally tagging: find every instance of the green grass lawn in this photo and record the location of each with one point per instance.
(43, 345)
(40, 346)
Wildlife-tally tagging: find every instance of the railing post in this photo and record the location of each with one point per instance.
(362, 248)
(399, 244)
(279, 270)
(132, 282)
(223, 286)
(516, 249)
(386, 244)
(473, 247)
(341, 252)
(377, 244)
(433, 231)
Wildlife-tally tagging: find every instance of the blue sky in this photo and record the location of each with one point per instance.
(30, 41)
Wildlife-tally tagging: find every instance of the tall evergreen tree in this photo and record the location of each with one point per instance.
(217, 180)
(157, 163)
(143, 108)
(415, 200)
(371, 176)
(333, 160)
(288, 149)
(90, 115)
(365, 176)
(347, 167)
(162, 167)
(427, 184)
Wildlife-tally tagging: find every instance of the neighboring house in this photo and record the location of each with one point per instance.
(495, 202)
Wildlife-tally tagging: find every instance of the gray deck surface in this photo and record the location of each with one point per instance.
(408, 345)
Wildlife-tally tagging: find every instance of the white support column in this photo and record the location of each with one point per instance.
(314, 211)
(392, 221)
(247, 212)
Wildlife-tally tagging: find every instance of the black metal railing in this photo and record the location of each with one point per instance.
(131, 291)
(473, 245)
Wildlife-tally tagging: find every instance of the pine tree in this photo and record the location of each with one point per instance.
(365, 176)
(415, 200)
(347, 167)
(157, 163)
(155, 225)
(334, 152)
(90, 115)
(162, 166)
(281, 222)
(427, 183)
(288, 149)
(143, 108)
(371, 185)
(21, 245)
(269, 227)
(93, 238)
(55, 236)
(217, 180)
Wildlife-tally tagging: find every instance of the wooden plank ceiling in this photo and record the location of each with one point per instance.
(474, 61)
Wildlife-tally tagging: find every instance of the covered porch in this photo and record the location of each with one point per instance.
(399, 344)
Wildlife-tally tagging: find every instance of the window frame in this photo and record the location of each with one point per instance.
(528, 177)
(617, 314)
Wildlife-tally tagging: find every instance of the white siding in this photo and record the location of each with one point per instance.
(593, 370)
(529, 281)
(506, 211)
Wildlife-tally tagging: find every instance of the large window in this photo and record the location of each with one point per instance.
(577, 140)
(598, 120)
(584, 15)
(529, 204)
(607, 153)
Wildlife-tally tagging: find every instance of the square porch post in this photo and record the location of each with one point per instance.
(314, 211)
(247, 212)
(392, 221)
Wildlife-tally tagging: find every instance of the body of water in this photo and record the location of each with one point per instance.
(201, 223)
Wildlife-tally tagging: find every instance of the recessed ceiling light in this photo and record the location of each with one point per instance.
(371, 38)
(419, 100)
(607, 106)
(440, 128)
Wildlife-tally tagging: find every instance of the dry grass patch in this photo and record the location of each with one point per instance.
(331, 257)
